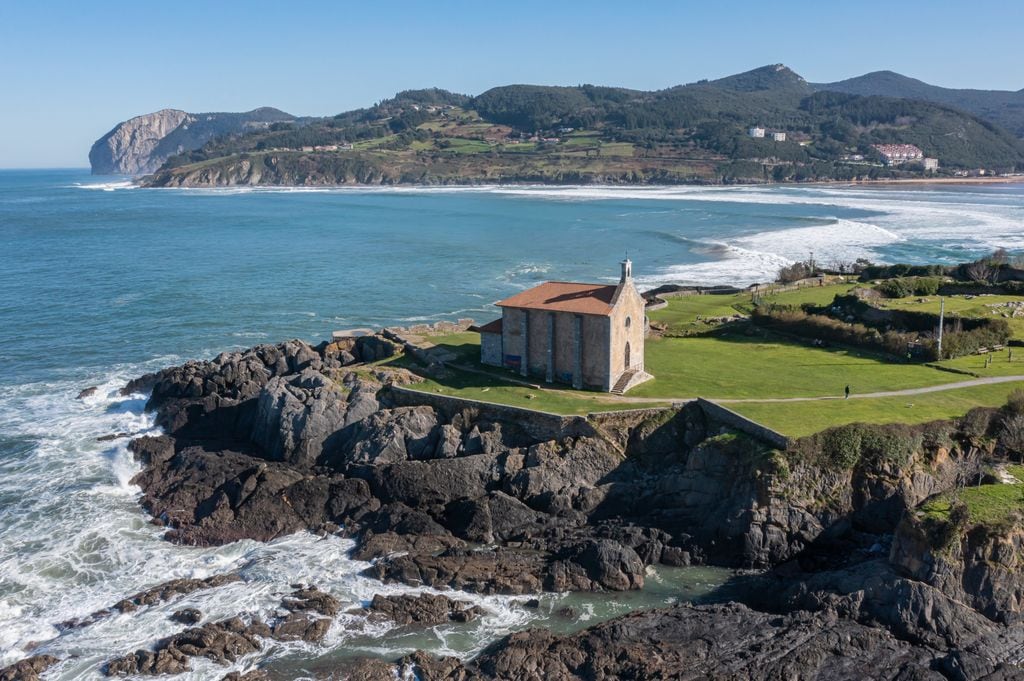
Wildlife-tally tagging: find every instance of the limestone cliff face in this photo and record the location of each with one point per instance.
(129, 148)
(139, 146)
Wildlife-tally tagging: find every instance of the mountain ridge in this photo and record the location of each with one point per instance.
(697, 132)
(1002, 107)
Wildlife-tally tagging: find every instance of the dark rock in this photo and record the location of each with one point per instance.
(152, 450)
(504, 571)
(160, 593)
(394, 435)
(223, 642)
(88, 392)
(254, 675)
(301, 627)
(567, 613)
(28, 669)
(312, 599)
(187, 616)
(112, 437)
(597, 564)
(375, 348)
(295, 415)
(423, 609)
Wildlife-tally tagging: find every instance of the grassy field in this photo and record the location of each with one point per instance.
(797, 419)
(1001, 363)
(986, 504)
(683, 314)
(963, 306)
(738, 366)
(721, 363)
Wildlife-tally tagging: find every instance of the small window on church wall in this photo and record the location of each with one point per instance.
(629, 321)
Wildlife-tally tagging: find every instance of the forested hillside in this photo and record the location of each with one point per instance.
(1005, 108)
(689, 133)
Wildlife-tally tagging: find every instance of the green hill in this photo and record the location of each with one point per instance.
(1002, 107)
(588, 133)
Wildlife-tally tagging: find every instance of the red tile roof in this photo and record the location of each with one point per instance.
(565, 296)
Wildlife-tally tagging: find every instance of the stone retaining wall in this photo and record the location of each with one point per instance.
(717, 412)
(541, 425)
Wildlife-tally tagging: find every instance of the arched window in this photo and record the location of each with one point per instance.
(629, 321)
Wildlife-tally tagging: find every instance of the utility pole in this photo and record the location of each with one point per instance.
(942, 313)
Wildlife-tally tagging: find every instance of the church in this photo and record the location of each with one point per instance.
(586, 335)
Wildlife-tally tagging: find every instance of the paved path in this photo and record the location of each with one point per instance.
(613, 399)
(887, 393)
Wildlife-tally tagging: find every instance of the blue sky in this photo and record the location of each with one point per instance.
(70, 70)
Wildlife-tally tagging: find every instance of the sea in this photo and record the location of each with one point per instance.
(101, 281)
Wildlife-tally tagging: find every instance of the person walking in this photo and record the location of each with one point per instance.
(847, 392)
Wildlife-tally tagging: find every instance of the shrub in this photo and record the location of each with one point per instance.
(927, 286)
(907, 286)
(896, 288)
(795, 272)
(870, 272)
(841, 446)
(938, 435)
(1015, 401)
(821, 327)
(989, 333)
(890, 444)
(976, 423)
(1011, 434)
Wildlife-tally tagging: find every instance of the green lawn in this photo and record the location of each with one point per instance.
(467, 146)
(797, 419)
(734, 365)
(617, 149)
(1001, 363)
(683, 312)
(819, 295)
(963, 306)
(727, 365)
(986, 504)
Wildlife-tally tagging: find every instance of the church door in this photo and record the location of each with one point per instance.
(627, 355)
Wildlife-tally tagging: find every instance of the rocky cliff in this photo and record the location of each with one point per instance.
(465, 496)
(142, 144)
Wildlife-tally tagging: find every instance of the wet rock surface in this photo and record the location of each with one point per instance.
(222, 642)
(28, 669)
(423, 609)
(160, 593)
(278, 439)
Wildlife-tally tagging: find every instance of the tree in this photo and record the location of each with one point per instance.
(981, 271)
(1011, 435)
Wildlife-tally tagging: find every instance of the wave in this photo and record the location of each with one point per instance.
(107, 186)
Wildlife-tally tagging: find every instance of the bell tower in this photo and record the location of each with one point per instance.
(627, 271)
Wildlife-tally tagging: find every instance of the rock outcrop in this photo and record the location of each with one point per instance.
(28, 669)
(142, 144)
(464, 496)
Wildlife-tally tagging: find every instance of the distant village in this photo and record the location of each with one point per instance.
(891, 155)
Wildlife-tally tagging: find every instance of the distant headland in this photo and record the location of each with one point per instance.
(767, 125)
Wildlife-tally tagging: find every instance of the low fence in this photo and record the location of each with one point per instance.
(741, 423)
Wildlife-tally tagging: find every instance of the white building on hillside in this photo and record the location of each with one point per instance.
(756, 132)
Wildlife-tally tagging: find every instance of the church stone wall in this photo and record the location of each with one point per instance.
(595, 352)
(512, 337)
(538, 334)
(632, 307)
(565, 346)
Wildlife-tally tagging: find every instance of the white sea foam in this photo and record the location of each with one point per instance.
(108, 186)
(73, 540)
